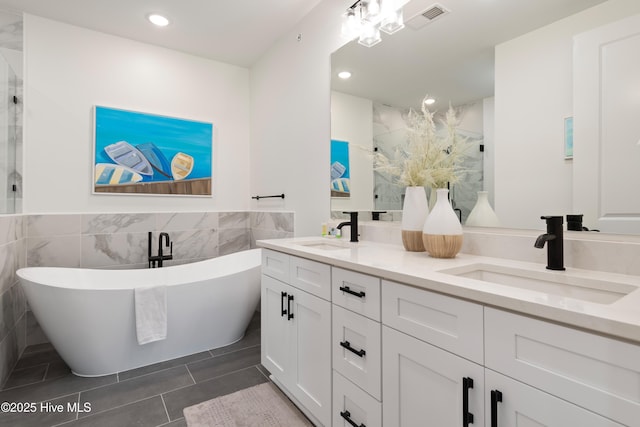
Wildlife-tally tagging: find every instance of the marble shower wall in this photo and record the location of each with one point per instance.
(13, 319)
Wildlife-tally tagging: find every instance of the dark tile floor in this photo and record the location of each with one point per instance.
(145, 397)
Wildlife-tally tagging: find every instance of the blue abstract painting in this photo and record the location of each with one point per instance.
(144, 153)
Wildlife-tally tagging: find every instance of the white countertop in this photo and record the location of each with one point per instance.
(620, 319)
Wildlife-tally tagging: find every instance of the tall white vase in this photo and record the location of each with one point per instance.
(414, 213)
(442, 231)
(482, 214)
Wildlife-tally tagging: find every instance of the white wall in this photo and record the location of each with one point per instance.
(352, 121)
(533, 95)
(290, 118)
(69, 69)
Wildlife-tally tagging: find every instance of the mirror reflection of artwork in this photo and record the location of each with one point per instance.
(568, 137)
(340, 184)
(140, 153)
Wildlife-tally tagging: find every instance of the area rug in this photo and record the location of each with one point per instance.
(262, 405)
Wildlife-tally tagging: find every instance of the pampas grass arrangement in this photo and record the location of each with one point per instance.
(429, 159)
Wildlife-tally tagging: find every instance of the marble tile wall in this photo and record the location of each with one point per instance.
(114, 240)
(121, 240)
(13, 318)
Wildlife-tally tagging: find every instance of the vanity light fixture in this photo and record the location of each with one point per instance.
(344, 75)
(366, 18)
(158, 20)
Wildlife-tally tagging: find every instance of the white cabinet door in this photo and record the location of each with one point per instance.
(594, 372)
(511, 403)
(296, 344)
(422, 385)
(275, 345)
(310, 364)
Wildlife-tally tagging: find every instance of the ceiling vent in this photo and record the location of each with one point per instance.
(432, 13)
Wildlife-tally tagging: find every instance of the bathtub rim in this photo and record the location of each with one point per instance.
(58, 277)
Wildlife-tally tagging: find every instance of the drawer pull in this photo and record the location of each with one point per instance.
(347, 416)
(289, 313)
(347, 345)
(496, 396)
(467, 417)
(283, 296)
(348, 290)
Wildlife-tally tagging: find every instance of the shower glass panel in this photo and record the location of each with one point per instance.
(9, 176)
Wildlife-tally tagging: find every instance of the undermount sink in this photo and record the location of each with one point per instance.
(561, 284)
(326, 245)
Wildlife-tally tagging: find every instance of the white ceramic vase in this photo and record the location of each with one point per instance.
(482, 214)
(442, 231)
(414, 214)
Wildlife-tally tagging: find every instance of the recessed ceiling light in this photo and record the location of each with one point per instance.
(429, 101)
(344, 75)
(158, 20)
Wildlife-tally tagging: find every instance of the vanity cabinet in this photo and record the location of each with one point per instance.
(353, 349)
(296, 331)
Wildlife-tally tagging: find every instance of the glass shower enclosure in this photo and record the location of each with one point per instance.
(10, 176)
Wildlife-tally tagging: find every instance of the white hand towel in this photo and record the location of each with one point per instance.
(151, 313)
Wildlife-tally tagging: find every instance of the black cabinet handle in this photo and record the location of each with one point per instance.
(467, 417)
(496, 396)
(346, 289)
(289, 313)
(283, 295)
(347, 416)
(347, 345)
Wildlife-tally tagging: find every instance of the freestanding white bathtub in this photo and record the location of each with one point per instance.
(88, 315)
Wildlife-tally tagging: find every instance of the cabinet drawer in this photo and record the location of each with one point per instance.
(449, 323)
(357, 349)
(276, 265)
(351, 402)
(310, 276)
(356, 292)
(594, 372)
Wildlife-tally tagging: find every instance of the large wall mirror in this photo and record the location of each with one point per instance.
(507, 67)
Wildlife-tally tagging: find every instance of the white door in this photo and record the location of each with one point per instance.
(275, 345)
(606, 103)
(310, 336)
(423, 385)
(511, 403)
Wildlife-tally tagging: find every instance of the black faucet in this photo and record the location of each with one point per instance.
(555, 247)
(353, 224)
(157, 260)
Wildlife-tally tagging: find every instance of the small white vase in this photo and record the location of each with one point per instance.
(442, 231)
(414, 213)
(482, 215)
